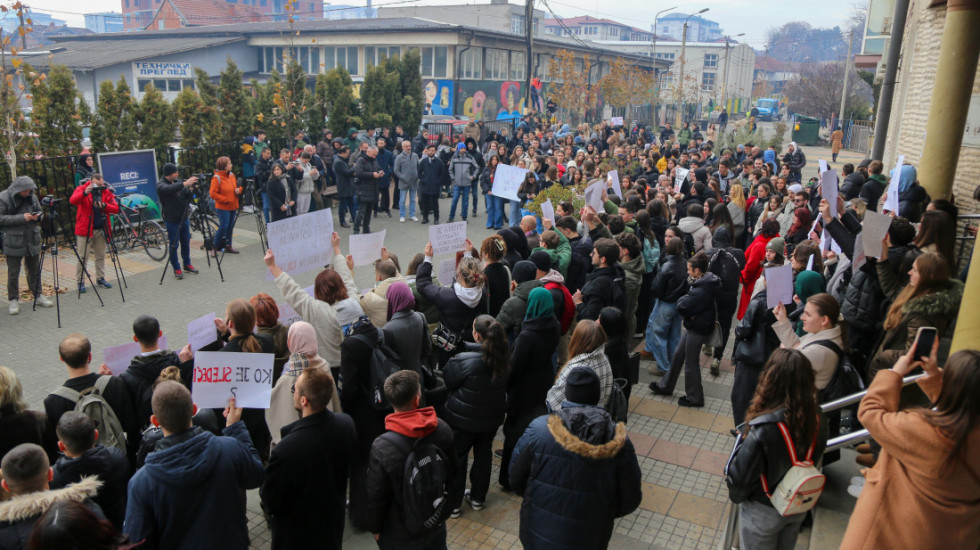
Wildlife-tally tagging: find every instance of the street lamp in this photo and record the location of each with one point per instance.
(654, 54)
(680, 82)
(724, 90)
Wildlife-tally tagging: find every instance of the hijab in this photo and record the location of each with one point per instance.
(301, 338)
(399, 297)
(539, 304)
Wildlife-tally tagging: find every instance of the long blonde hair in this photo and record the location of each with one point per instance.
(737, 194)
(11, 392)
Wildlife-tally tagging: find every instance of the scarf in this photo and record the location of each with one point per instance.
(539, 304)
(301, 338)
(399, 297)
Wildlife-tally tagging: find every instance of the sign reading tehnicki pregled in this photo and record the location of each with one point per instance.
(162, 69)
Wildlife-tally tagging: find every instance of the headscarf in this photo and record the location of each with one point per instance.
(808, 283)
(301, 338)
(399, 297)
(907, 177)
(539, 304)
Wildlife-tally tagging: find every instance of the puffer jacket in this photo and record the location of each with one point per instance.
(763, 452)
(862, 300)
(366, 187)
(222, 190)
(109, 465)
(598, 292)
(851, 186)
(697, 307)
(912, 202)
(671, 281)
(463, 169)
(457, 306)
(515, 307)
(577, 471)
(477, 402)
(19, 514)
(20, 237)
(698, 231)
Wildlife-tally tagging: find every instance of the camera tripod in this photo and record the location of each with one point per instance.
(111, 247)
(252, 199)
(198, 216)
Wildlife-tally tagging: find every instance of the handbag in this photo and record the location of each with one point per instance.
(715, 339)
(751, 350)
(445, 339)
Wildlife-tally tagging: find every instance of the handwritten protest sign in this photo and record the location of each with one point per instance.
(447, 271)
(613, 178)
(680, 174)
(201, 331)
(367, 248)
(828, 190)
(593, 195)
(245, 376)
(617, 121)
(891, 196)
(873, 230)
(779, 285)
(507, 181)
(118, 358)
(302, 243)
(547, 210)
(447, 238)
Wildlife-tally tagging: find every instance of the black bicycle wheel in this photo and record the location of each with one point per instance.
(154, 240)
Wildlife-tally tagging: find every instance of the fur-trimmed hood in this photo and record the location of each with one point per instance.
(942, 303)
(588, 432)
(32, 505)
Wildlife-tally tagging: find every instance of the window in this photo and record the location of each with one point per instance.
(613, 31)
(434, 61)
(160, 24)
(668, 78)
(374, 54)
(496, 66)
(347, 58)
(329, 58)
(188, 83)
(173, 85)
(710, 60)
(707, 82)
(518, 65)
(141, 85)
(667, 56)
(471, 64)
(517, 23)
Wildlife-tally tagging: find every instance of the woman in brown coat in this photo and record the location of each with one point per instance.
(836, 140)
(924, 492)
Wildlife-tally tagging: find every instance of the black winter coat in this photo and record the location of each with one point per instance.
(579, 264)
(109, 463)
(433, 174)
(531, 371)
(174, 198)
(26, 427)
(453, 313)
(142, 372)
(343, 176)
(367, 185)
(851, 186)
(912, 203)
(277, 197)
(697, 307)
(758, 317)
(476, 403)
(356, 396)
(671, 281)
(497, 286)
(305, 487)
(116, 395)
(599, 292)
(577, 471)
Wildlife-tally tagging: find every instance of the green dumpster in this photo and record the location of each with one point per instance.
(806, 130)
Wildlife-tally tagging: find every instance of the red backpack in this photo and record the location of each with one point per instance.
(567, 312)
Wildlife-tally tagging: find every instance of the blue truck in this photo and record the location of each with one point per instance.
(768, 108)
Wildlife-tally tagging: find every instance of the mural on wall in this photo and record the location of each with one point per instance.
(495, 99)
(438, 97)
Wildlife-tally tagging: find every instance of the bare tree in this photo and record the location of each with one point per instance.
(816, 91)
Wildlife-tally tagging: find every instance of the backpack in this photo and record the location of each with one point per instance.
(846, 379)
(384, 363)
(618, 406)
(689, 244)
(617, 293)
(425, 486)
(568, 311)
(91, 403)
(802, 484)
(725, 266)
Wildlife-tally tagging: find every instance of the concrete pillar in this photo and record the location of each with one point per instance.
(955, 72)
(967, 334)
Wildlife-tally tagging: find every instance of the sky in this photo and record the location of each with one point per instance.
(752, 17)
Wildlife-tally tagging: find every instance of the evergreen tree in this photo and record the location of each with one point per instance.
(343, 110)
(189, 110)
(156, 117)
(290, 99)
(264, 106)
(379, 95)
(208, 94)
(235, 104)
(106, 118)
(126, 134)
(319, 107)
(412, 98)
(56, 117)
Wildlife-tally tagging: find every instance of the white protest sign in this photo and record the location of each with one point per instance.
(593, 195)
(447, 238)
(447, 271)
(680, 176)
(507, 181)
(220, 376)
(547, 210)
(118, 358)
(779, 285)
(366, 248)
(302, 243)
(288, 315)
(823, 165)
(617, 121)
(873, 230)
(859, 256)
(828, 243)
(816, 223)
(201, 331)
(828, 190)
(891, 196)
(809, 262)
(613, 178)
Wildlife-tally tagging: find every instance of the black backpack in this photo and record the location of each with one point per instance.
(384, 363)
(425, 486)
(846, 379)
(617, 293)
(618, 405)
(725, 266)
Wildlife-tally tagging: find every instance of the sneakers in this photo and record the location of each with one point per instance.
(707, 350)
(178, 274)
(402, 219)
(190, 269)
(415, 219)
(455, 514)
(81, 288)
(14, 307)
(44, 301)
(103, 283)
(715, 367)
(476, 505)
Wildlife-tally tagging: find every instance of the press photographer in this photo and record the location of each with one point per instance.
(175, 195)
(20, 213)
(94, 201)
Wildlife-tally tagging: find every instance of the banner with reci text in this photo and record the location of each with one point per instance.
(133, 172)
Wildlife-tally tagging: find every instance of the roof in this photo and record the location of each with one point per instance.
(773, 65)
(93, 54)
(200, 13)
(583, 20)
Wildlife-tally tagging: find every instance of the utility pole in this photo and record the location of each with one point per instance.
(23, 31)
(884, 106)
(847, 71)
(724, 77)
(529, 39)
(680, 83)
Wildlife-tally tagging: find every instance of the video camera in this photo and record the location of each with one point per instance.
(50, 201)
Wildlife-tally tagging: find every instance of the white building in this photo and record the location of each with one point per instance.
(596, 30)
(699, 29)
(498, 15)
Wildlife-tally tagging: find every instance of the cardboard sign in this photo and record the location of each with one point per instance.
(118, 358)
(828, 190)
(365, 249)
(680, 175)
(447, 238)
(779, 285)
(507, 181)
(447, 272)
(547, 210)
(219, 376)
(201, 331)
(593, 195)
(613, 178)
(891, 196)
(873, 230)
(302, 243)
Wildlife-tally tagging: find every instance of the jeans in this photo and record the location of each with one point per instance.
(345, 205)
(33, 265)
(363, 220)
(226, 226)
(761, 526)
(495, 212)
(515, 212)
(687, 358)
(457, 192)
(266, 212)
(482, 445)
(407, 196)
(663, 333)
(179, 234)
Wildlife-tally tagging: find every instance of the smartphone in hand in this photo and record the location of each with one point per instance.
(925, 338)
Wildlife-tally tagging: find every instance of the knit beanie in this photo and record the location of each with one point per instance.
(582, 386)
(524, 271)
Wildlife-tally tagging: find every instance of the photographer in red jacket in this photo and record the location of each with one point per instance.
(94, 201)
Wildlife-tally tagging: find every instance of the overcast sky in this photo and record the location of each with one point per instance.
(752, 17)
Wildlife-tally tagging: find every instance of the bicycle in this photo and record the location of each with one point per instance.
(127, 235)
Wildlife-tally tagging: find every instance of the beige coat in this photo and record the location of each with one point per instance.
(836, 140)
(281, 410)
(375, 302)
(910, 499)
(823, 360)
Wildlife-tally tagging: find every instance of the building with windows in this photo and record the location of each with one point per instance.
(466, 70)
(498, 16)
(334, 12)
(699, 29)
(100, 23)
(9, 20)
(589, 28)
(171, 14)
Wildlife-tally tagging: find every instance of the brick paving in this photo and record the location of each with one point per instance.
(681, 451)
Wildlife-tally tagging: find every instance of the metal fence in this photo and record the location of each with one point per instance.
(858, 135)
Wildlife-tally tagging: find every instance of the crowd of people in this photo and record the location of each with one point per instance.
(532, 338)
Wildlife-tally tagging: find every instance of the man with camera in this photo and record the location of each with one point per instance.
(20, 214)
(94, 201)
(175, 195)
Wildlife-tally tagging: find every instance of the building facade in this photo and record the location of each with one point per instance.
(591, 28)
(170, 14)
(101, 23)
(699, 29)
(497, 16)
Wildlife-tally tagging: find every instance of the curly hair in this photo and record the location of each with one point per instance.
(469, 272)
